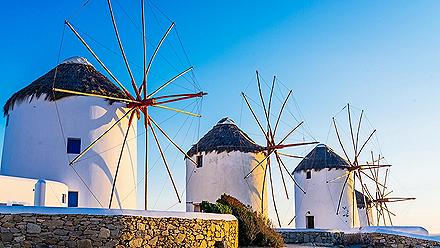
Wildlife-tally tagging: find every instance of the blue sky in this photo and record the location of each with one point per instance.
(379, 56)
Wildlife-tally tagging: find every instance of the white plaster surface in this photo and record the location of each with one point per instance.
(16, 190)
(35, 147)
(321, 200)
(224, 173)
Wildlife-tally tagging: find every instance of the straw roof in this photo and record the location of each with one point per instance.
(72, 74)
(360, 199)
(321, 157)
(225, 136)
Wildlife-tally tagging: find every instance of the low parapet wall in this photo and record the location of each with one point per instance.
(67, 227)
(370, 239)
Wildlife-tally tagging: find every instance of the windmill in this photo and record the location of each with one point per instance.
(355, 170)
(139, 101)
(382, 192)
(273, 146)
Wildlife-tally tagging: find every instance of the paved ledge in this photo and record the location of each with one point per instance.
(113, 212)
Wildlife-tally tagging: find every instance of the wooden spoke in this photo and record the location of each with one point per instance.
(262, 188)
(133, 83)
(290, 222)
(372, 179)
(165, 161)
(340, 196)
(259, 164)
(97, 59)
(357, 133)
(119, 159)
(289, 155)
(354, 197)
(384, 182)
(389, 213)
(176, 98)
(270, 100)
(255, 116)
(340, 141)
(367, 166)
(155, 53)
(281, 112)
(264, 107)
(100, 137)
(351, 133)
(280, 146)
(369, 137)
(169, 81)
(177, 110)
(291, 131)
(396, 199)
(273, 194)
(94, 95)
(387, 194)
(288, 173)
(282, 176)
(146, 121)
(144, 46)
(171, 140)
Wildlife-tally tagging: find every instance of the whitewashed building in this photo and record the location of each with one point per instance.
(322, 175)
(224, 156)
(365, 210)
(45, 131)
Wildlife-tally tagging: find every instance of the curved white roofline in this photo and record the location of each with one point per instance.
(76, 60)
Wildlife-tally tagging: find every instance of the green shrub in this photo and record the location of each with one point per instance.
(219, 208)
(253, 228)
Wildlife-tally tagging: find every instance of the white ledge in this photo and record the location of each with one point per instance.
(113, 212)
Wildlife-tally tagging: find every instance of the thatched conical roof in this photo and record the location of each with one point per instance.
(75, 74)
(321, 157)
(225, 136)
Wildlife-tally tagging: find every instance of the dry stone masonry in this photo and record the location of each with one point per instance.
(332, 238)
(79, 230)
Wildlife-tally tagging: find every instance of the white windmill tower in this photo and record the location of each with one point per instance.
(224, 156)
(364, 205)
(35, 141)
(318, 207)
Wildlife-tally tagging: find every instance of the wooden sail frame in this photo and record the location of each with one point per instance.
(356, 170)
(273, 147)
(138, 103)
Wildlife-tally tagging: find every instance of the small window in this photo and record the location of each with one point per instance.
(199, 161)
(17, 204)
(72, 199)
(63, 198)
(310, 224)
(73, 146)
(7, 120)
(308, 174)
(3, 204)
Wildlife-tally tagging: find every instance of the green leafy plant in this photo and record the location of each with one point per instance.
(253, 228)
(219, 208)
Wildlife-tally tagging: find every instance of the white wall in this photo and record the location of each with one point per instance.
(321, 200)
(224, 173)
(363, 215)
(16, 190)
(34, 147)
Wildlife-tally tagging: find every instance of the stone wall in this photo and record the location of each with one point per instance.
(320, 238)
(387, 240)
(331, 238)
(80, 230)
